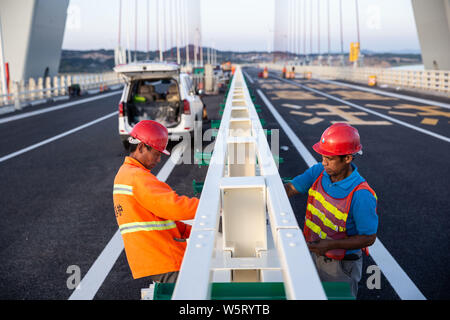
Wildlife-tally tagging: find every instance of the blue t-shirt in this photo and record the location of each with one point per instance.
(362, 218)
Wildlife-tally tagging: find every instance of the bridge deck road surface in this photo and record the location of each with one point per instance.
(57, 200)
(58, 206)
(408, 170)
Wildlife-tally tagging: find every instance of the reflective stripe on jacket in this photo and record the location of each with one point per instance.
(326, 217)
(148, 213)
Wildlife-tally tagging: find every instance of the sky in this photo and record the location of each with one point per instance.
(241, 25)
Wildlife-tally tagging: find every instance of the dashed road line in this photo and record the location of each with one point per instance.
(430, 121)
(301, 113)
(397, 277)
(313, 121)
(378, 107)
(405, 114)
(292, 106)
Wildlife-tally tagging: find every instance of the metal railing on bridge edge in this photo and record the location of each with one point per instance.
(435, 82)
(23, 93)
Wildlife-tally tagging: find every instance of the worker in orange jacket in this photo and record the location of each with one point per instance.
(148, 211)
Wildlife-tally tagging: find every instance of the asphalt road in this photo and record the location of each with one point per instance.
(57, 198)
(408, 170)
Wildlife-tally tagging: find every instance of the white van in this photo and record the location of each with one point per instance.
(157, 91)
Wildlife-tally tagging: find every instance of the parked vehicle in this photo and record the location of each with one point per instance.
(157, 91)
(222, 78)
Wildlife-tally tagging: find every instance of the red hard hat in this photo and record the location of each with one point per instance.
(338, 140)
(151, 133)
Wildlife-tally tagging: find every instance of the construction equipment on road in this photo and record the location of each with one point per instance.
(372, 80)
(265, 73)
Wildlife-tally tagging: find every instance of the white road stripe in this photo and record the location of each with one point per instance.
(399, 280)
(248, 77)
(94, 278)
(396, 276)
(388, 94)
(98, 272)
(59, 136)
(405, 124)
(307, 156)
(61, 106)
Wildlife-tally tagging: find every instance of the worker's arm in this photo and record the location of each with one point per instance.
(290, 189)
(304, 181)
(184, 229)
(157, 197)
(351, 243)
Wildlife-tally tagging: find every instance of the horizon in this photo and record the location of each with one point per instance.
(400, 51)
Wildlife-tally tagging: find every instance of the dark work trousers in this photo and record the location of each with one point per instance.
(339, 270)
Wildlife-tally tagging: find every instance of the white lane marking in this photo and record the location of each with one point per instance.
(62, 106)
(396, 276)
(94, 278)
(405, 124)
(97, 273)
(399, 280)
(59, 136)
(292, 106)
(309, 159)
(389, 94)
(248, 77)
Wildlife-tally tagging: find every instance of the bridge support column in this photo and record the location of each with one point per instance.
(433, 27)
(33, 32)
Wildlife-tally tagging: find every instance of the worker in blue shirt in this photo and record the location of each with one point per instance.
(341, 219)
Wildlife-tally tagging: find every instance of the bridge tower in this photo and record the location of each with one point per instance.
(32, 33)
(433, 27)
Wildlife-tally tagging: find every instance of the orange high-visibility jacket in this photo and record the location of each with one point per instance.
(147, 211)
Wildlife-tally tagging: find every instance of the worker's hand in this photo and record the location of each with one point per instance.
(320, 247)
(290, 189)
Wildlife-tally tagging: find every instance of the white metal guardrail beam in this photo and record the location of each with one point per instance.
(244, 186)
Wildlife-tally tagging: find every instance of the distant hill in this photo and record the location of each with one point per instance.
(94, 61)
(403, 51)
